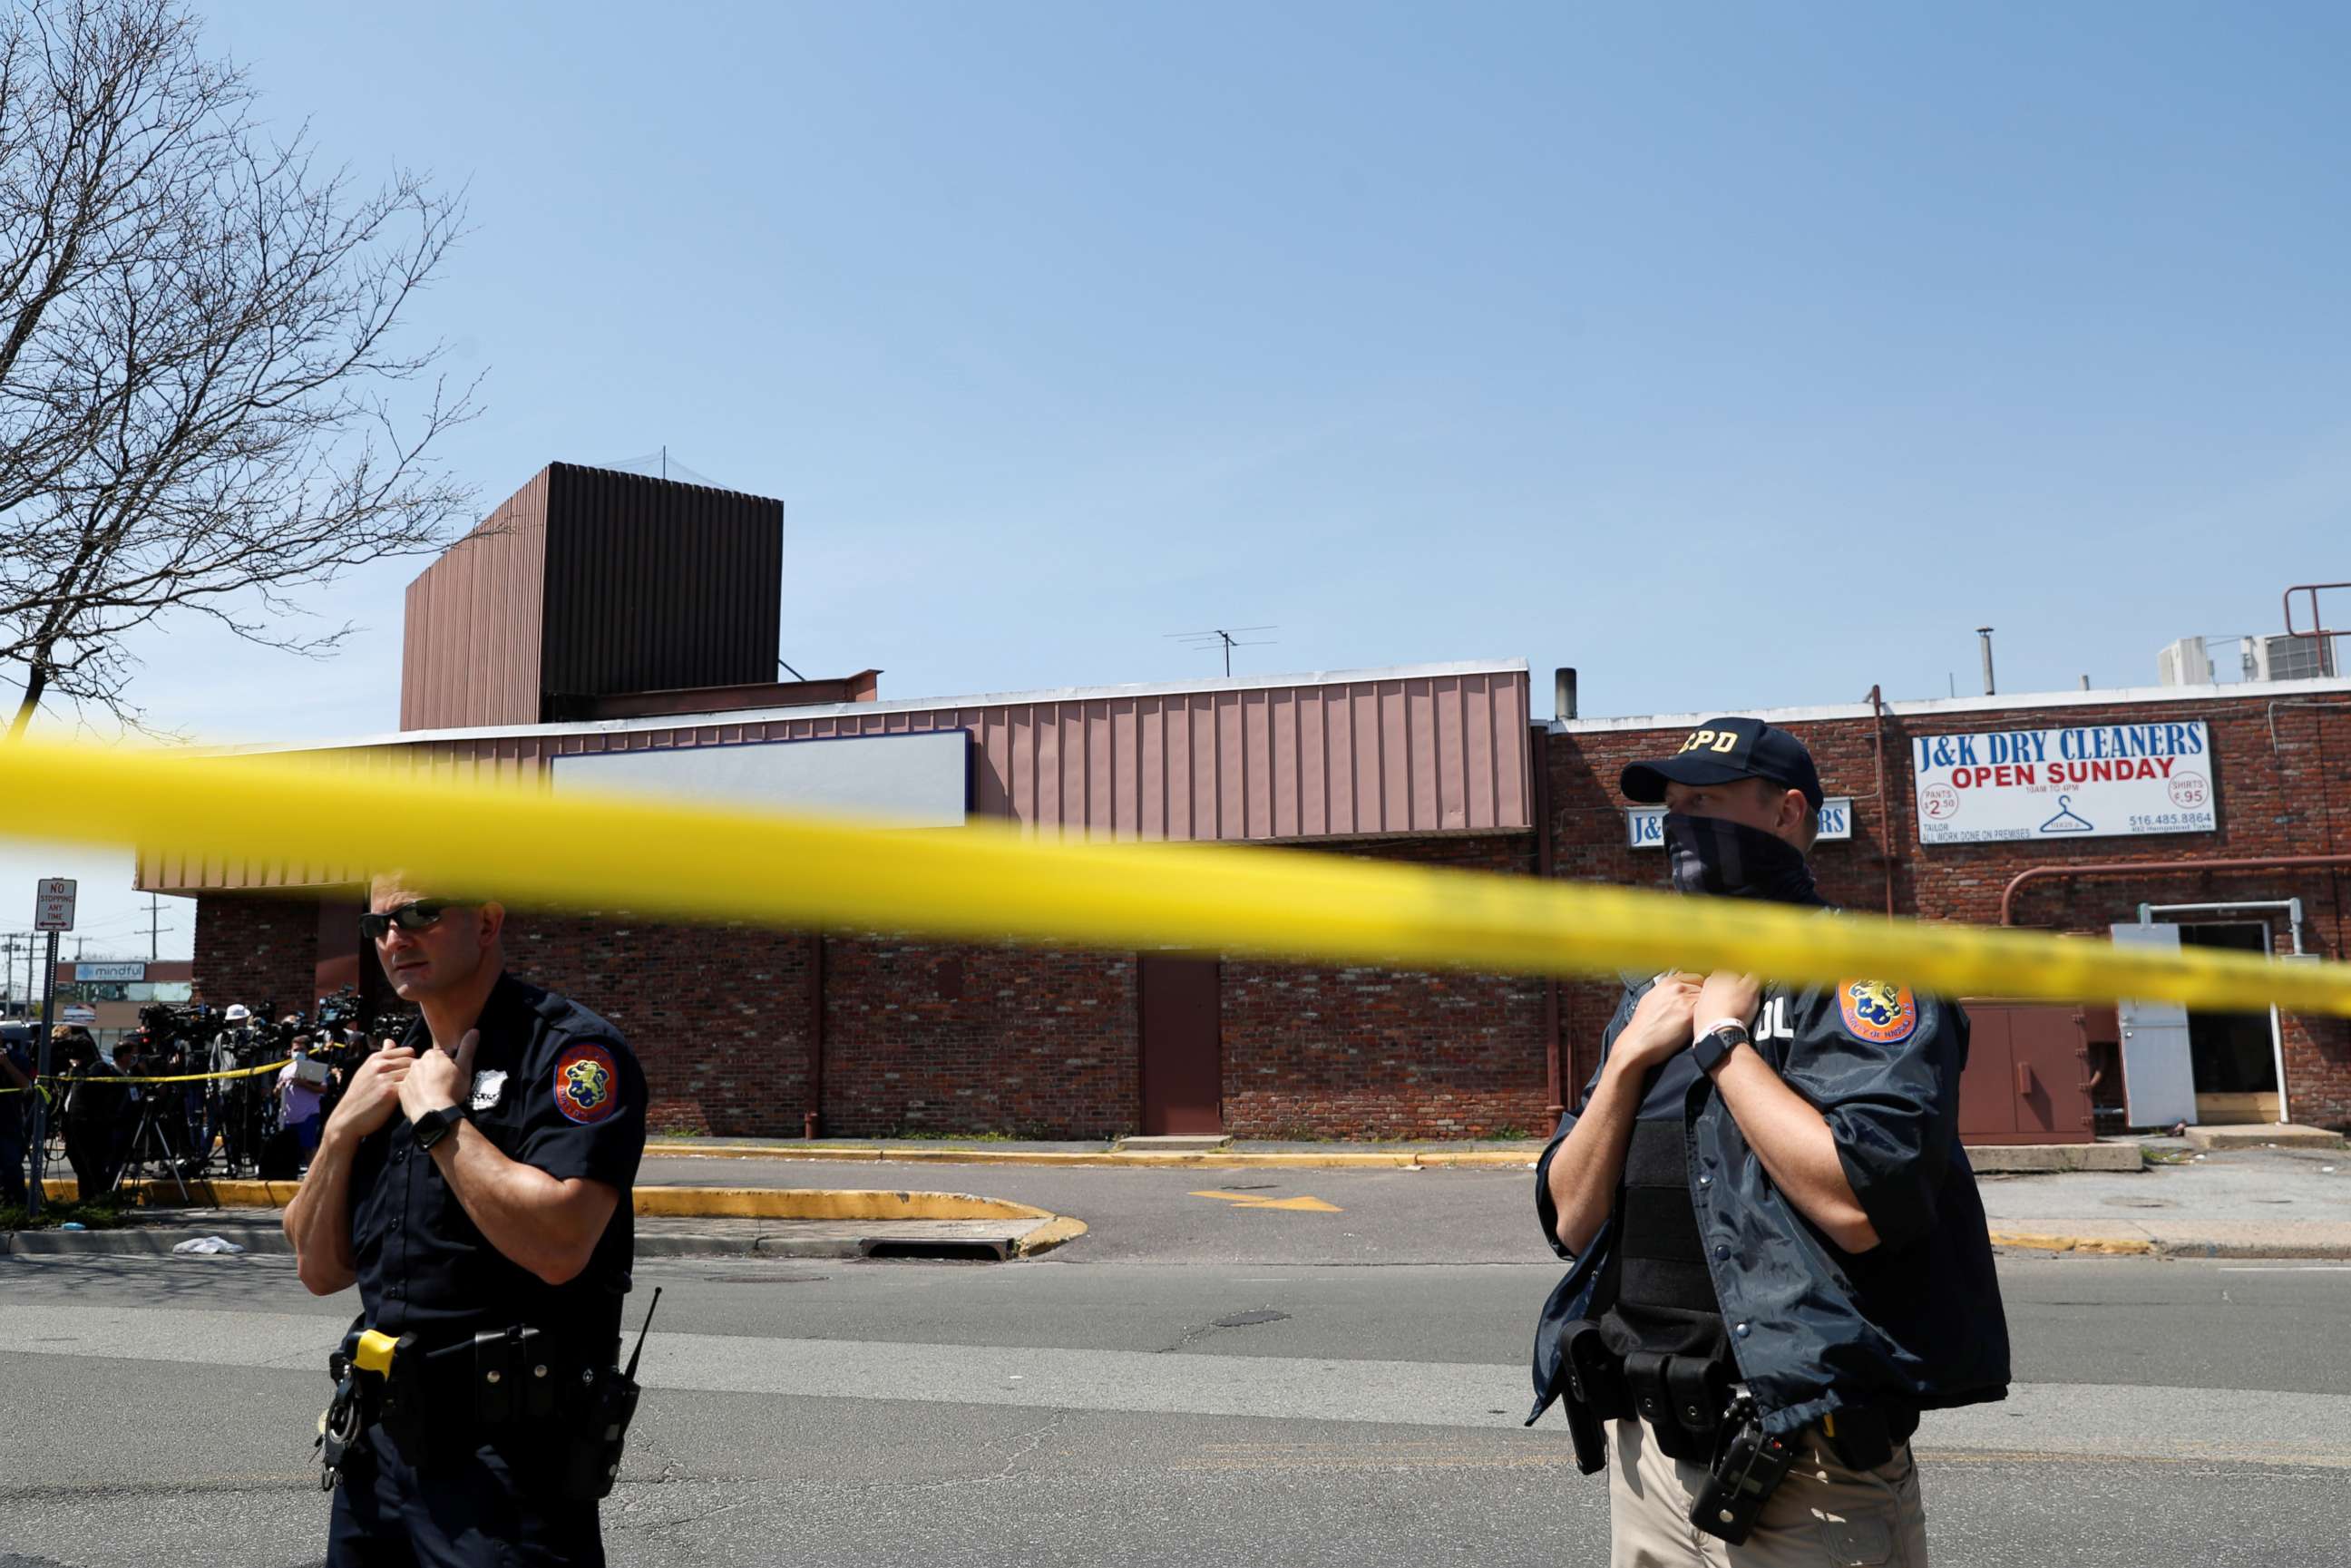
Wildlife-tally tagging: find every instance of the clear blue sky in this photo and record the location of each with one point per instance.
(1736, 355)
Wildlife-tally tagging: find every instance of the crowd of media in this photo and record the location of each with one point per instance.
(247, 1094)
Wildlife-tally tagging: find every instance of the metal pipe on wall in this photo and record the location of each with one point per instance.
(2157, 868)
(1888, 839)
(812, 1117)
(1546, 864)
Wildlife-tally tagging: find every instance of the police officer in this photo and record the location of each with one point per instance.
(1780, 1257)
(473, 1182)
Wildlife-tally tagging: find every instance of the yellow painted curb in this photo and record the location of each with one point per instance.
(673, 1202)
(201, 1194)
(810, 1203)
(1055, 1232)
(2118, 1247)
(1479, 1159)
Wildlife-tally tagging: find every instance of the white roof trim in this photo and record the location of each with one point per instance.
(1931, 708)
(910, 705)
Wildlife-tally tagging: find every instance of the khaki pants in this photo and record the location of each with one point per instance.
(1820, 1515)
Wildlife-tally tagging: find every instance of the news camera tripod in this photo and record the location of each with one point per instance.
(150, 1145)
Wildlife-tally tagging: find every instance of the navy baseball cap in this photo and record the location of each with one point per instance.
(1723, 750)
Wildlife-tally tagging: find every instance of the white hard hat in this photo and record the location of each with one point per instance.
(237, 1012)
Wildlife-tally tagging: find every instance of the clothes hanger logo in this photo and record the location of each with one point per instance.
(2065, 820)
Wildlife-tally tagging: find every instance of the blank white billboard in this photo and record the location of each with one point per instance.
(921, 781)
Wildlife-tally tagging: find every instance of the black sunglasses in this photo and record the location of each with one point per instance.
(421, 915)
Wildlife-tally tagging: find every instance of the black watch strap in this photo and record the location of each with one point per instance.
(434, 1125)
(1718, 1043)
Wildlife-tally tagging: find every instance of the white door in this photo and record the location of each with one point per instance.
(2159, 1078)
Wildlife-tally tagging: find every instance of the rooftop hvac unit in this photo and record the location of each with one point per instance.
(2284, 657)
(2185, 664)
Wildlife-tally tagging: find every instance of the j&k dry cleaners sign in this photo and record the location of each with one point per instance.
(2097, 781)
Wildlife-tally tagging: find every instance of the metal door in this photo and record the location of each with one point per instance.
(1987, 1088)
(1183, 1048)
(2049, 1058)
(2159, 1076)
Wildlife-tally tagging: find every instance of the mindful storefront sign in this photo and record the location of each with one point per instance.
(2094, 782)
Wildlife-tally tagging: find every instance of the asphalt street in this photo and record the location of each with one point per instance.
(1198, 1378)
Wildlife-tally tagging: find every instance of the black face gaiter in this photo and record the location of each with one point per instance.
(1732, 860)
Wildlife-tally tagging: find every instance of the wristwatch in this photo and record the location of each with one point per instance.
(434, 1125)
(1718, 1042)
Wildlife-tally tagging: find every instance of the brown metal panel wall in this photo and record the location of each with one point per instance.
(657, 586)
(470, 647)
(1337, 760)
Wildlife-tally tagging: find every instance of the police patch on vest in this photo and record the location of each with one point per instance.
(587, 1084)
(1877, 1011)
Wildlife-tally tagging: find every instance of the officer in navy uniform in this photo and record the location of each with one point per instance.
(474, 1183)
(1779, 1256)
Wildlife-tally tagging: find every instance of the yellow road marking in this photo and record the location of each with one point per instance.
(1295, 1204)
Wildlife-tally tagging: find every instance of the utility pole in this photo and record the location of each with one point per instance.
(154, 929)
(1225, 640)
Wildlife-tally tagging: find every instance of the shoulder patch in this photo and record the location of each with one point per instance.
(1877, 1011)
(587, 1083)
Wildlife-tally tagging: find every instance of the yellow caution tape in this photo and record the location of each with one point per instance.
(990, 882)
(183, 1077)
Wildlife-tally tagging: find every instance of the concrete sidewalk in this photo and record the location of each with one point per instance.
(2237, 1203)
(1268, 1153)
(2241, 1202)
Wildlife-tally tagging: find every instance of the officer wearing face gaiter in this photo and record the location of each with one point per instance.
(1778, 1257)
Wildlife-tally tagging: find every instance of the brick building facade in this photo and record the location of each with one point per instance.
(919, 1036)
(2282, 761)
(753, 1031)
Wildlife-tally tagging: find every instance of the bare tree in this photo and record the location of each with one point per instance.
(198, 350)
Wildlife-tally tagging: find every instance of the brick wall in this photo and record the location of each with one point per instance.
(256, 949)
(717, 1014)
(931, 1038)
(2289, 798)
(921, 1037)
(1363, 1053)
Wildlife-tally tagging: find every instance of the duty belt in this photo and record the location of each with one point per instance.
(504, 1380)
(501, 1378)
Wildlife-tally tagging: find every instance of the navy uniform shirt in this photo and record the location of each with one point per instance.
(554, 1087)
(1915, 1322)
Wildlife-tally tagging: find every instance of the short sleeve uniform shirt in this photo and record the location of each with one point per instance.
(554, 1087)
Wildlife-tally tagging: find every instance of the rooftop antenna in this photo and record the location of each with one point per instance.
(1228, 640)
